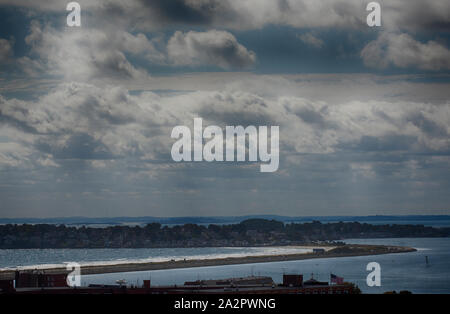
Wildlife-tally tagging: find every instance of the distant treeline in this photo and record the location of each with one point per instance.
(143, 220)
(251, 232)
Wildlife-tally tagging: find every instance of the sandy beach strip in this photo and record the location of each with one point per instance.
(343, 251)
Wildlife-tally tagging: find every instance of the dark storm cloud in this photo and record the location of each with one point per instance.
(417, 15)
(182, 11)
(251, 14)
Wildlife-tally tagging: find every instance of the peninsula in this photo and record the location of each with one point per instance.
(346, 250)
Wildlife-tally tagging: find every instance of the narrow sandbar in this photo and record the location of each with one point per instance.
(341, 251)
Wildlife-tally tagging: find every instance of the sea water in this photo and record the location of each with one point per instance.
(401, 271)
(44, 258)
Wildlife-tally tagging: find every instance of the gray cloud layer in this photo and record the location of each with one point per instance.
(111, 131)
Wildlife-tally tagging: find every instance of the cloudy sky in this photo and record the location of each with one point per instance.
(86, 112)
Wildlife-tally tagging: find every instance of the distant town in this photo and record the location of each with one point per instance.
(250, 232)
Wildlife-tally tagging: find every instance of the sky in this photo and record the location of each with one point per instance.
(86, 113)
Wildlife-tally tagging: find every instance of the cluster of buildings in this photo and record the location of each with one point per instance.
(40, 282)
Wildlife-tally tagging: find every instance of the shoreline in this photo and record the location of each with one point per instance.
(349, 250)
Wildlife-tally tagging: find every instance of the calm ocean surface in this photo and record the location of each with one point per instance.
(406, 271)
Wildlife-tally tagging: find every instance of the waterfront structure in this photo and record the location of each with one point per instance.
(42, 283)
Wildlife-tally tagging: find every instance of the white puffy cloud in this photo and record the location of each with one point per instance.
(6, 49)
(401, 50)
(103, 55)
(311, 40)
(86, 54)
(79, 121)
(213, 47)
